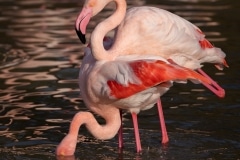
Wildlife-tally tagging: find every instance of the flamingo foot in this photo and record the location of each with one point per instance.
(165, 138)
(67, 146)
(215, 88)
(136, 131)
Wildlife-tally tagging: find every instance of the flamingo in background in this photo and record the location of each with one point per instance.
(150, 30)
(132, 82)
(143, 30)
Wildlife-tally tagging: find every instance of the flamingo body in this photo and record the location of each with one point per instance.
(100, 81)
(149, 30)
(136, 67)
(130, 82)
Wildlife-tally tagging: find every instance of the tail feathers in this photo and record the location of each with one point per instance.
(222, 65)
(214, 54)
(205, 44)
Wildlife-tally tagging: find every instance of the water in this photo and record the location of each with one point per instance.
(40, 56)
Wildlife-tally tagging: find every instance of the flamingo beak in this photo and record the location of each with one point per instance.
(81, 36)
(82, 22)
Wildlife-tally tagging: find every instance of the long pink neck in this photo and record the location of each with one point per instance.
(103, 28)
(107, 131)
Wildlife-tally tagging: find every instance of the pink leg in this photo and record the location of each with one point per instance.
(136, 131)
(120, 133)
(162, 122)
(215, 88)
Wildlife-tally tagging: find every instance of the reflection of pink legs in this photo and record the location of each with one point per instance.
(162, 122)
(215, 88)
(136, 131)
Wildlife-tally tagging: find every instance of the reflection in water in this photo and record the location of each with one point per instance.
(40, 57)
(35, 80)
(10, 57)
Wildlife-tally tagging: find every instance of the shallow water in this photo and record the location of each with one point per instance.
(40, 56)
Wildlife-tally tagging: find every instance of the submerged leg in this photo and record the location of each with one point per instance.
(215, 88)
(136, 131)
(120, 133)
(162, 122)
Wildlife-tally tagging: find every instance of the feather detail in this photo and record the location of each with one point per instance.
(152, 73)
(205, 44)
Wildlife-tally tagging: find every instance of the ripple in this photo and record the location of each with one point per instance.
(10, 57)
(47, 109)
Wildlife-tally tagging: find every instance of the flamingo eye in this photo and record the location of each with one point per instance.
(92, 3)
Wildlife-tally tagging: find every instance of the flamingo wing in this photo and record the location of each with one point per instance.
(183, 42)
(118, 79)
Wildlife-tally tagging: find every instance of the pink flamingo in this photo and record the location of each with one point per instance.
(143, 30)
(152, 30)
(132, 82)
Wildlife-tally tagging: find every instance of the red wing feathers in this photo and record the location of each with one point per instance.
(204, 43)
(152, 73)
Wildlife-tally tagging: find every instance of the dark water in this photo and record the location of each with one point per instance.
(40, 57)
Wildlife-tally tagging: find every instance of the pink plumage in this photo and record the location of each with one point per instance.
(151, 74)
(135, 68)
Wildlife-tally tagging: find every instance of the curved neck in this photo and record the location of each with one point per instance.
(98, 50)
(107, 131)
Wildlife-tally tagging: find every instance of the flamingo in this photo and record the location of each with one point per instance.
(132, 82)
(152, 30)
(144, 30)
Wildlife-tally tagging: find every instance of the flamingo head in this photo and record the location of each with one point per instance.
(90, 9)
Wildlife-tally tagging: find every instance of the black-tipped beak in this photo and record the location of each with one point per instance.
(81, 36)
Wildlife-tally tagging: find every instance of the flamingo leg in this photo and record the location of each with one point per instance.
(136, 131)
(120, 133)
(215, 88)
(162, 122)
